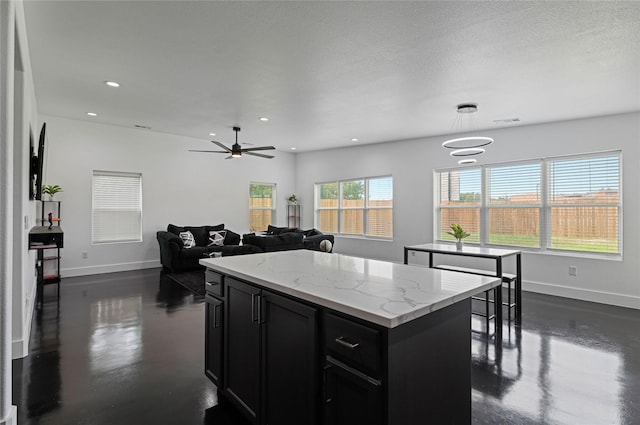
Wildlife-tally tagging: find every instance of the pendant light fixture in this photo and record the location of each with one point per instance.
(470, 145)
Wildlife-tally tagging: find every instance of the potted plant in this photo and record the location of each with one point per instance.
(458, 232)
(51, 190)
(293, 198)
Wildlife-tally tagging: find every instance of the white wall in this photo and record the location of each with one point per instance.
(22, 114)
(179, 187)
(411, 164)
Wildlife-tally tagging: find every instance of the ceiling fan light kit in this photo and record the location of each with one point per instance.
(236, 150)
(470, 145)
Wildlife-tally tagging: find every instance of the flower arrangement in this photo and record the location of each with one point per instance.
(293, 198)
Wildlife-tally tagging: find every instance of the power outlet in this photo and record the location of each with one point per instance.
(85, 255)
(573, 271)
(413, 253)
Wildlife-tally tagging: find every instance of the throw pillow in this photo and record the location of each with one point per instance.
(216, 237)
(188, 239)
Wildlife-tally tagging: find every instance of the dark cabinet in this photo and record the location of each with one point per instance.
(242, 348)
(271, 356)
(290, 358)
(351, 397)
(213, 340)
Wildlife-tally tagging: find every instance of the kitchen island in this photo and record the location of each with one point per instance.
(306, 337)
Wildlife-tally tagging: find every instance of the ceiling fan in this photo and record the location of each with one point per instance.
(236, 150)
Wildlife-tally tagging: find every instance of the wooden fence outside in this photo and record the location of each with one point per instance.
(596, 221)
(380, 220)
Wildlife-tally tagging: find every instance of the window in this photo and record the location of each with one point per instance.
(570, 203)
(262, 205)
(360, 207)
(116, 211)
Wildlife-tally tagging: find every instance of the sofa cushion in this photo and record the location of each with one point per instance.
(187, 239)
(270, 243)
(200, 233)
(232, 238)
(216, 237)
(273, 230)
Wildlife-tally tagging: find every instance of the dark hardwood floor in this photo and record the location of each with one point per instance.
(128, 348)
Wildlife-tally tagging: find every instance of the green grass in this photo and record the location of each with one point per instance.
(569, 244)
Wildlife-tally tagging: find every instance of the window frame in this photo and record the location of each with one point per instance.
(274, 205)
(366, 208)
(545, 207)
(94, 210)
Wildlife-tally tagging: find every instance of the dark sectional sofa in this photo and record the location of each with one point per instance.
(176, 257)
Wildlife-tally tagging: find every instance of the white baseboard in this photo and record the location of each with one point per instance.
(110, 268)
(620, 300)
(12, 419)
(20, 346)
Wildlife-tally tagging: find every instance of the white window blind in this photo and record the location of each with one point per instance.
(380, 207)
(585, 203)
(570, 203)
(262, 205)
(359, 207)
(514, 201)
(460, 196)
(116, 207)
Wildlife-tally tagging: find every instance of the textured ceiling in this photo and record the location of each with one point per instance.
(327, 72)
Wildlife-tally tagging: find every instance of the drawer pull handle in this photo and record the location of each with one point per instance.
(340, 340)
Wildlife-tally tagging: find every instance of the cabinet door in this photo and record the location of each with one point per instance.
(242, 348)
(290, 358)
(351, 397)
(213, 340)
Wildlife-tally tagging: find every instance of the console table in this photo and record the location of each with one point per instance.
(307, 337)
(478, 252)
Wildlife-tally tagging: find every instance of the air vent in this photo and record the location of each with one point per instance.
(506, 120)
(144, 127)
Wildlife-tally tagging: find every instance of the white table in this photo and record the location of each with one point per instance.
(495, 254)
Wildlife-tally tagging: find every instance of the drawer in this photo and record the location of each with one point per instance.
(213, 282)
(356, 345)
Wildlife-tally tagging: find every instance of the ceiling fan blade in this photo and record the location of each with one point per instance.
(258, 154)
(195, 150)
(226, 149)
(259, 148)
(229, 157)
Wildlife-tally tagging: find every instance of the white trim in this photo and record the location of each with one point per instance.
(611, 298)
(109, 268)
(12, 419)
(20, 346)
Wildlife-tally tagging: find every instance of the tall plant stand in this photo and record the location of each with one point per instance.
(47, 240)
(293, 216)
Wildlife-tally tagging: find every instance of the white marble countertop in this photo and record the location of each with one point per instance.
(380, 292)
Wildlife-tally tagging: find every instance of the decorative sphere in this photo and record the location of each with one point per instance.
(325, 246)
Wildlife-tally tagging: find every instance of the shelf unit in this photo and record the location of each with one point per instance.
(47, 240)
(293, 216)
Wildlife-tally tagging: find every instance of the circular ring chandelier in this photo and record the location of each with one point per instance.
(467, 161)
(467, 142)
(469, 145)
(467, 152)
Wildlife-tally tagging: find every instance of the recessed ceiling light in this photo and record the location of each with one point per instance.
(293, 149)
(506, 120)
(212, 134)
(92, 114)
(354, 140)
(112, 84)
(263, 119)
